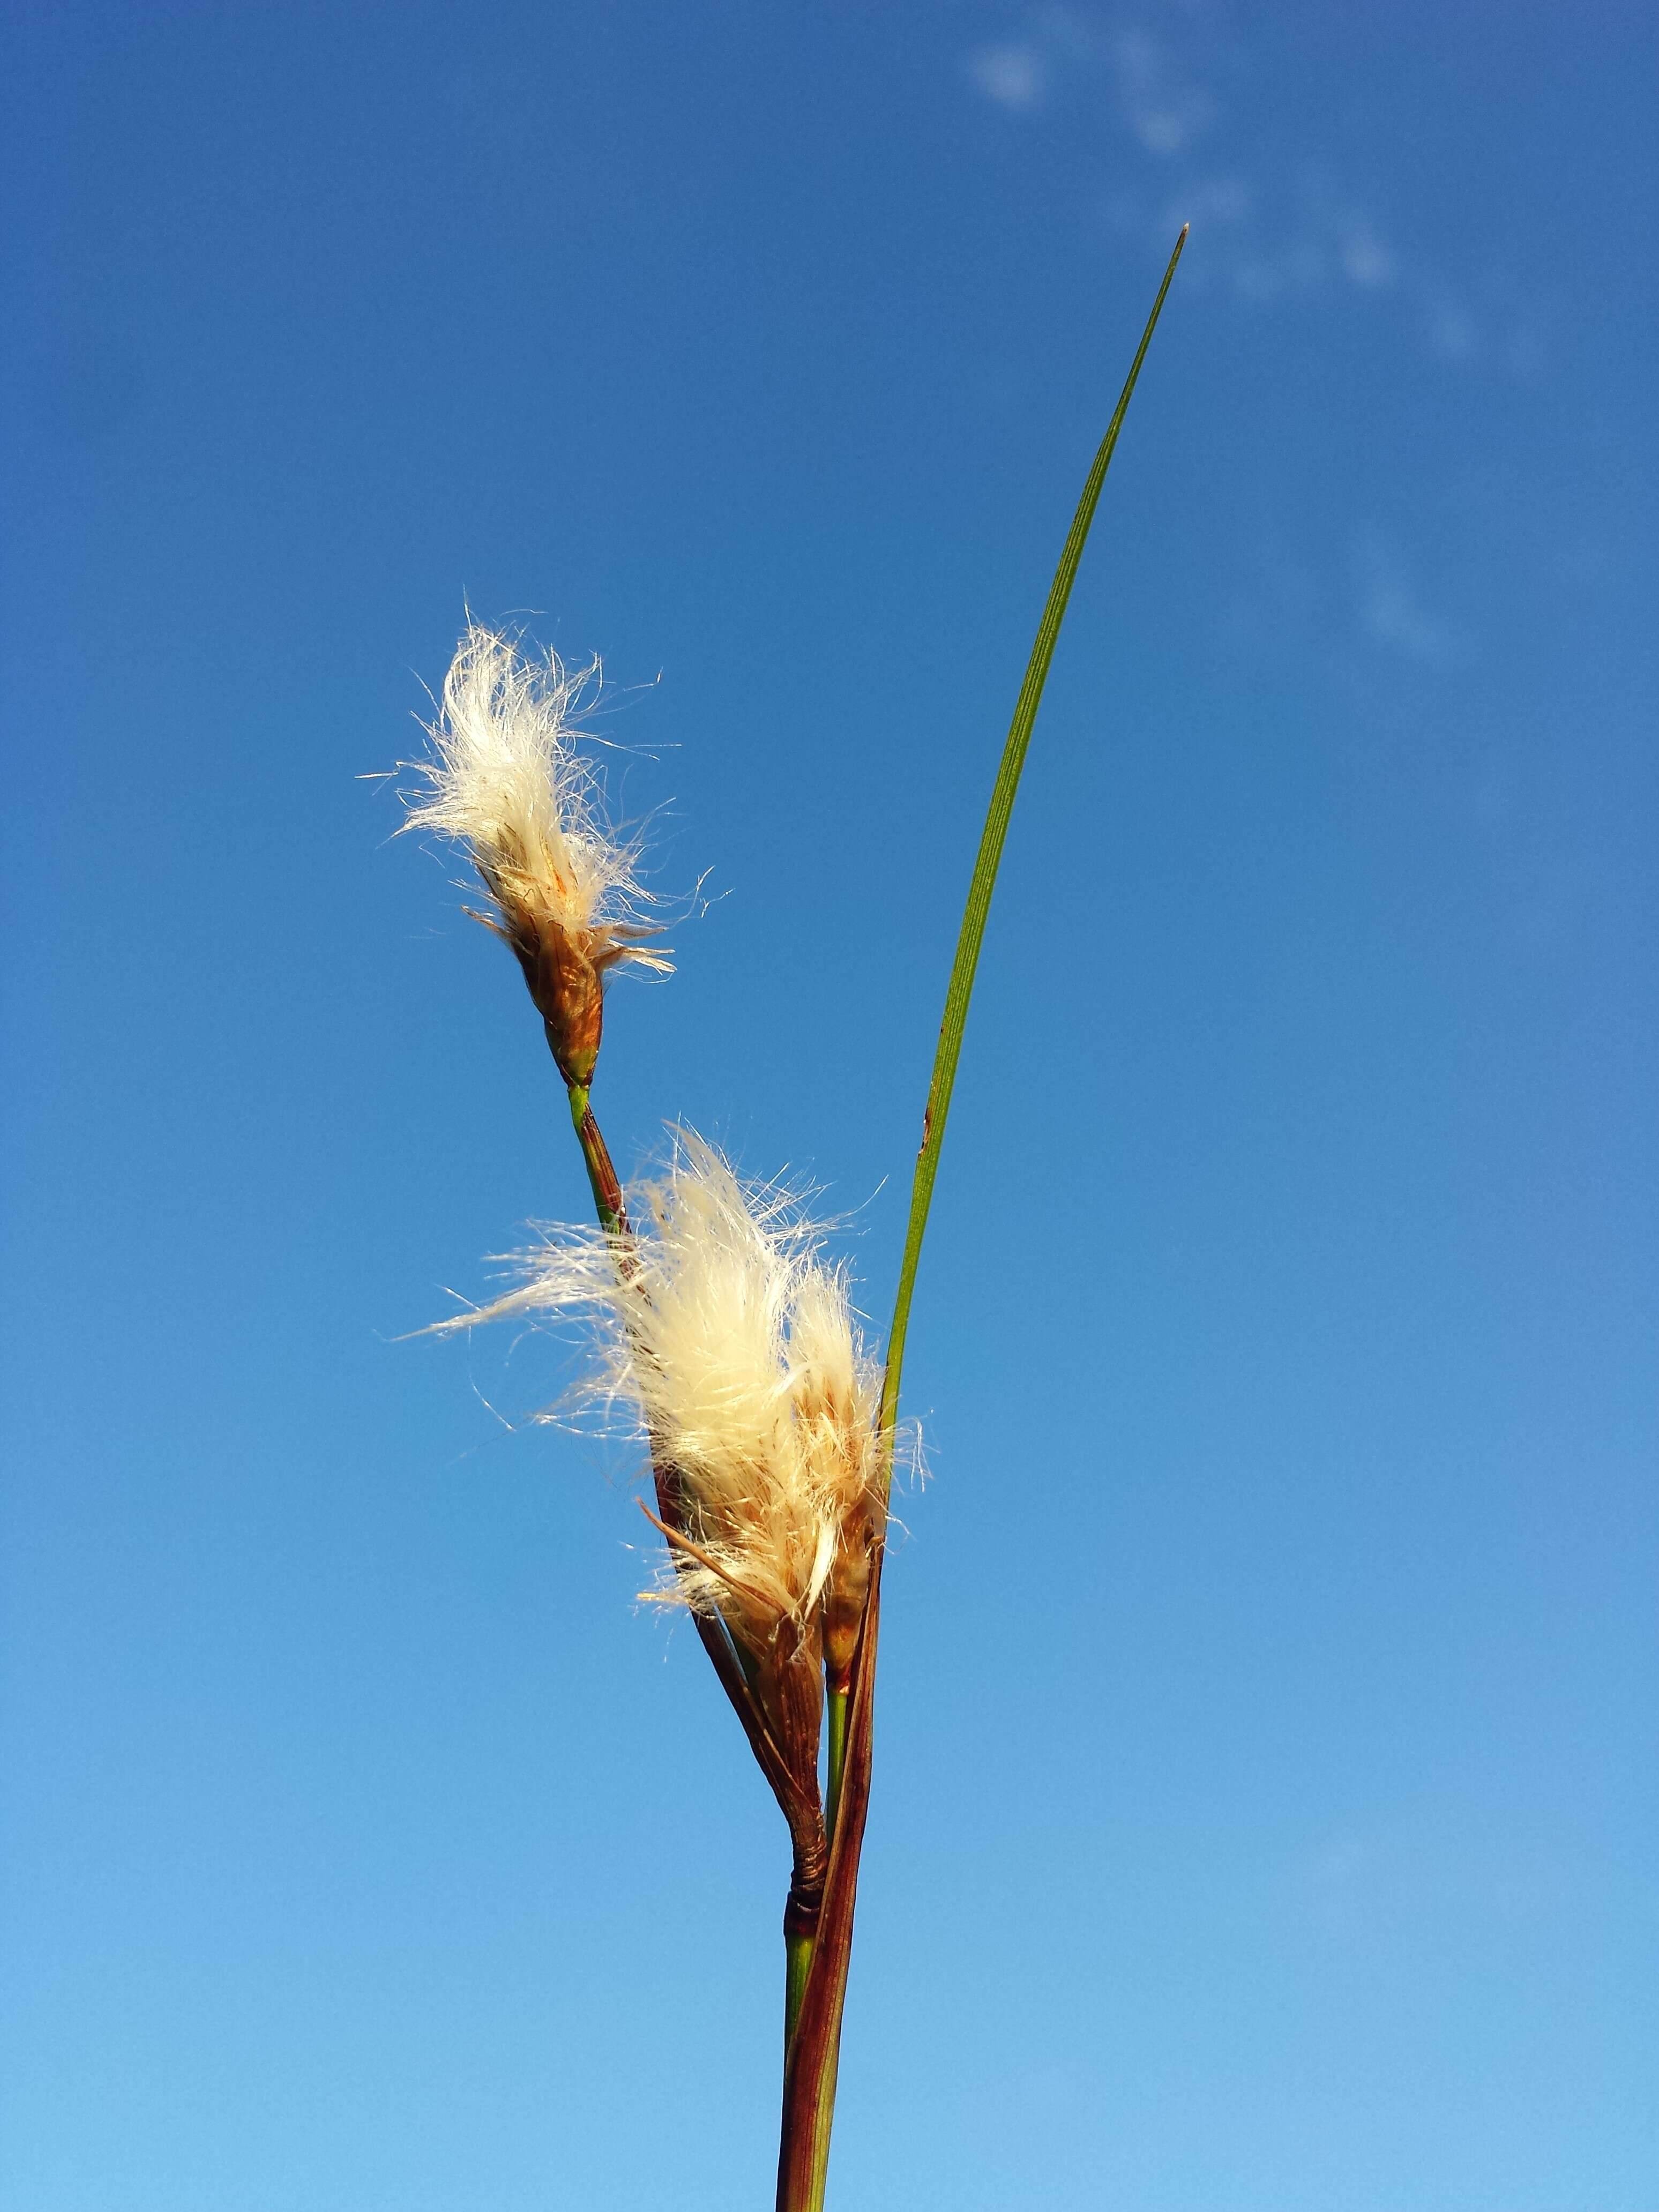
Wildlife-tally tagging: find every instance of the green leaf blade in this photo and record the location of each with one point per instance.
(965, 967)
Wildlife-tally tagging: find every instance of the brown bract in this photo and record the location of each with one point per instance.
(564, 969)
(508, 778)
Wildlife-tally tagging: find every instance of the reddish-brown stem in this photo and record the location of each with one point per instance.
(797, 1794)
(808, 2080)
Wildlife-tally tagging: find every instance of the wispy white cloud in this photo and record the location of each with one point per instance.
(1016, 75)
(1392, 612)
(1426, 1871)
(1158, 99)
(1262, 245)
(1452, 330)
(1347, 604)
(1167, 99)
(1267, 228)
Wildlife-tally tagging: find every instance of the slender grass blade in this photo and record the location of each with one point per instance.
(809, 2093)
(966, 963)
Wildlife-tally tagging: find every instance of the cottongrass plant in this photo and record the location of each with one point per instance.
(720, 1329)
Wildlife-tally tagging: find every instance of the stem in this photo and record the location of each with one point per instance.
(809, 2091)
(809, 2067)
(836, 1759)
(608, 1199)
(797, 1961)
(963, 968)
(724, 1652)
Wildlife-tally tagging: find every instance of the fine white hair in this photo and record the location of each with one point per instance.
(505, 778)
(728, 1339)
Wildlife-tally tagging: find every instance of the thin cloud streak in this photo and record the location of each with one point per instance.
(1263, 232)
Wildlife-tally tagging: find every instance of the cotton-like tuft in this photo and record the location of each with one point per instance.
(730, 1340)
(506, 780)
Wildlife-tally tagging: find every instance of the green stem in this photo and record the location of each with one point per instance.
(821, 2147)
(725, 1651)
(811, 2063)
(797, 1958)
(963, 969)
(810, 2075)
(607, 1190)
(835, 1762)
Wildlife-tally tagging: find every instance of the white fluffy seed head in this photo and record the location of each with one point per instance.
(505, 778)
(731, 1341)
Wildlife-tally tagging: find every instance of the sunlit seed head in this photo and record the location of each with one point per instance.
(505, 779)
(729, 1338)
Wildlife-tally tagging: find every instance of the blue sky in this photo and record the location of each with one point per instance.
(1265, 1796)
